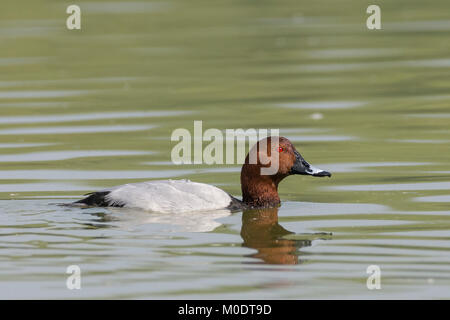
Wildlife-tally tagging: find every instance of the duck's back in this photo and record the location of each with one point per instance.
(162, 196)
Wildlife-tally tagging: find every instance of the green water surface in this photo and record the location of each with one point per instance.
(87, 109)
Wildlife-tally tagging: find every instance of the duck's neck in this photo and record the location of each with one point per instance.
(258, 191)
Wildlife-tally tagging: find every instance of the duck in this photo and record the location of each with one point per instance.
(259, 188)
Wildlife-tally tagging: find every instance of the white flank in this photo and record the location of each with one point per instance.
(169, 196)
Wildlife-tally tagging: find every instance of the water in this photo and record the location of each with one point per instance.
(84, 110)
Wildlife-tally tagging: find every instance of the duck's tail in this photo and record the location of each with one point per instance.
(97, 199)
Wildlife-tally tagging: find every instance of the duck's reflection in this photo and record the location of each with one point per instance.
(261, 231)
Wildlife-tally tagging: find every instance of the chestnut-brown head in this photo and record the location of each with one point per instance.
(268, 162)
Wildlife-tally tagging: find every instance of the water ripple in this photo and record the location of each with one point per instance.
(68, 154)
(90, 116)
(76, 129)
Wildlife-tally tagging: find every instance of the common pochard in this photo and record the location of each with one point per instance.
(258, 190)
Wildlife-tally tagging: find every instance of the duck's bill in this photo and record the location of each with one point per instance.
(301, 166)
(316, 172)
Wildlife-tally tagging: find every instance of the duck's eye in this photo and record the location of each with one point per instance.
(280, 149)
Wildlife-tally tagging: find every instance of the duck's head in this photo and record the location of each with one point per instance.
(268, 162)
